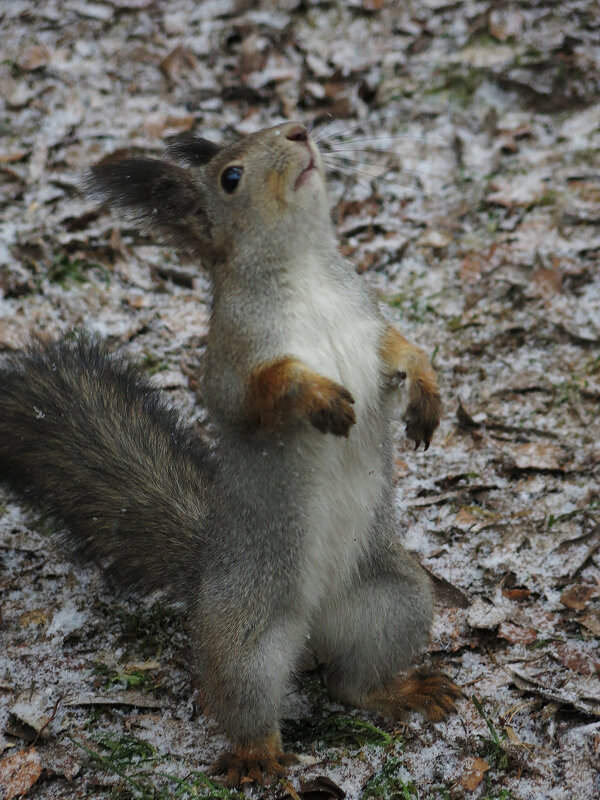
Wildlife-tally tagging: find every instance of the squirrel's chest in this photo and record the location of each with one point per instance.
(336, 331)
(333, 329)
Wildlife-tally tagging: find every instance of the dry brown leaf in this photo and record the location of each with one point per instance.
(484, 614)
(516, 594)
(591, 621)
(570, 655)
(19, 772)
(37, 616)
(435, 238)
(578, 596)
(516, 634)
(545, 283)
(178, 62)
(537, 455)
(159, 125)
(471, 267)
(14, 156)
(471, 779)
(34, 58)
(401, 469)
(465, 518)
(131, 5)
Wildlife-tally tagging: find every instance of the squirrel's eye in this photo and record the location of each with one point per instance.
(230, 178)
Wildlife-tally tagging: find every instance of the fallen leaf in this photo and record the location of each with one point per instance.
(34, 58)
(37, 616)
(516, 594)
(465, 519)
(537, 455)
(14, 156)
(28, 716)
(545, 283)
(446, 593)
(126, 698)
(471, 779)
(401, 470)
(19, 772)
(484, 614)
(434, 238)
(591, 621)
(178, 62)
(471, 267)
(573, 656)
(516, 634)
(578, 596)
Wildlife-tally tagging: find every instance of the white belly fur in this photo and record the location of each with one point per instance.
(332, 329)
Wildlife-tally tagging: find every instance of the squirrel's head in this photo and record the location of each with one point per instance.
(263, 194)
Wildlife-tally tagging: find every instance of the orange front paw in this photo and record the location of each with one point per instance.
(423, 413)
(404, 361)
(329, 407)
(285, 390)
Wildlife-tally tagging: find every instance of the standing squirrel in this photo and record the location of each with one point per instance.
(280, 541)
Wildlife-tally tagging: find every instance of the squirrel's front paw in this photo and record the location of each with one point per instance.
(259, 765)
(423, 413)
(286, 389)
(329, 407)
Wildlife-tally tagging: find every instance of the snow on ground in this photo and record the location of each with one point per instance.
(463, 140)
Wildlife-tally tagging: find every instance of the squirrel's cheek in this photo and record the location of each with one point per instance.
(277, 188)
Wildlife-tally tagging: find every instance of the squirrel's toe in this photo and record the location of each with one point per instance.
(259, 765)
(425, 690)
(422, 415)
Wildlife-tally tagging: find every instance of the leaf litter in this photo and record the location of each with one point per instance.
(478, 227)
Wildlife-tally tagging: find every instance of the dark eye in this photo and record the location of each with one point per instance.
(230, 178)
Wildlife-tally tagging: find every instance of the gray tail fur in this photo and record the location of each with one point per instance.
(85, 436)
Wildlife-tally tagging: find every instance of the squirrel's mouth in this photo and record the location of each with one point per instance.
(305, 174)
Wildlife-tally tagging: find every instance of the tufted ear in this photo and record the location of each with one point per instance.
(191, 150)
(154, 196)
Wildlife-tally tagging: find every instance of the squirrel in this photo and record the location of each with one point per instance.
(281, 539)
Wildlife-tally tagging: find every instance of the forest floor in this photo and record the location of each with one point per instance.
(466, 189)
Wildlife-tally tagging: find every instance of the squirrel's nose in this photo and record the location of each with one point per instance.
(297, 133)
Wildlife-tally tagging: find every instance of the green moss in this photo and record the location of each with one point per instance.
(389, 784)
(459, 82)
(152, 364)
(65, 270)
(337, 730)
(139, 766)
(129, 678)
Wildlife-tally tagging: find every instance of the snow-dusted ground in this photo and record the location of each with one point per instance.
(470, 200)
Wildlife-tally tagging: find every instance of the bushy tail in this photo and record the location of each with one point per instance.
(85, 436)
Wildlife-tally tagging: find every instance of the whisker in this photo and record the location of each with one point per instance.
(349, 174)
(364, 122)
(368, 150)
(399, 137)
(352, 172)
(399, 167)
(318, 136)
(351, 169)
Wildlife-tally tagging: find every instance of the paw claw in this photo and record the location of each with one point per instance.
(332, 410)
(427, 691)
(252, 766)
(422, 415)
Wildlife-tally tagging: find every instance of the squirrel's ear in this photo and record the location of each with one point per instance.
(191, 150)
(155, 196)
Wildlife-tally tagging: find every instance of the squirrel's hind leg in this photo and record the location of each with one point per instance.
(245, 660)
(372, 634)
